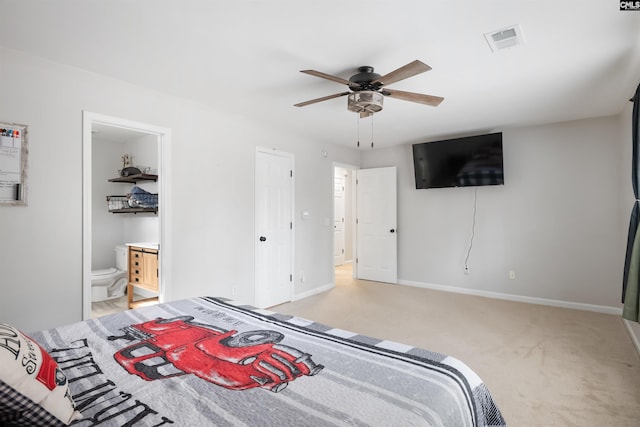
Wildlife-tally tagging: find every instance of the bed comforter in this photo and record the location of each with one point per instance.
(211, 361)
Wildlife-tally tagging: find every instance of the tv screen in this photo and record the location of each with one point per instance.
(459, 162)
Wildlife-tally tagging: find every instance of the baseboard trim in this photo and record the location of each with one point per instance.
(632, 335)
(312, 292)
(518, 298)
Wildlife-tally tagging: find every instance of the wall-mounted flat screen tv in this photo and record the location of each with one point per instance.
(459, 162)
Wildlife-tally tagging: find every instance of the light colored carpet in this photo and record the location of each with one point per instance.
(544, 366)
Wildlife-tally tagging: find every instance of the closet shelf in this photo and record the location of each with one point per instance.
(134, 210)
(119, 204)
(135, 178)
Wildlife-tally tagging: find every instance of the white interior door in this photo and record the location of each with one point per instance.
(274, 227)
(376, 225)
(339, 218)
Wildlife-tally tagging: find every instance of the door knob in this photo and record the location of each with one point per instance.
(392, 230)
(263, 239)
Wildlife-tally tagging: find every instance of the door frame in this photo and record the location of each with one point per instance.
(344, 226)
(352, 201)
(164, 206)
(292, 240)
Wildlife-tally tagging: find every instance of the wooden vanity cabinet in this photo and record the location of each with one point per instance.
(143, 273)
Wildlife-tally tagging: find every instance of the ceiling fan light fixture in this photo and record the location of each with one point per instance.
(365, 101)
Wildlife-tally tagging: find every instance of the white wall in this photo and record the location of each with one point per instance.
(212, 163)
(107, 228)
(556, 222)
(142, 227)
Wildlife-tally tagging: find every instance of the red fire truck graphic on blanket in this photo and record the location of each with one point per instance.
(237, 361)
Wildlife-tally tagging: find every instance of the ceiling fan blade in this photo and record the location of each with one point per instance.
(434, 101)
(324, 98)
(404, 72)
(329, 77)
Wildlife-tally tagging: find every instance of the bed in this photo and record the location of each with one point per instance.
(213, 361)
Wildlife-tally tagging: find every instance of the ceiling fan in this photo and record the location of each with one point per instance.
(368, 89)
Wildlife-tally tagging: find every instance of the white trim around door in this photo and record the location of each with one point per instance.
(164, 196)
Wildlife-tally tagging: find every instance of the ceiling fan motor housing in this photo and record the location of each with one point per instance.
(364, 78)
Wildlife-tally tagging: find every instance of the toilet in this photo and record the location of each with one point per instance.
(111, 283)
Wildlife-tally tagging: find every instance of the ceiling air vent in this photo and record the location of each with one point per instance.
(504, 38)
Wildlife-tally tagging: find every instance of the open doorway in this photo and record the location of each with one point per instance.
(109, 146)
(368, 249)
(344, 236)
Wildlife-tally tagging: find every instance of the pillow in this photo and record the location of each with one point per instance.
(33, 390)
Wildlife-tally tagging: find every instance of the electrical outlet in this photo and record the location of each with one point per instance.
(512, 275)
(234, 291)
(466, 270)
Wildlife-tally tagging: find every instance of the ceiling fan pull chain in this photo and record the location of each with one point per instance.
(358, 127)
(372, 131)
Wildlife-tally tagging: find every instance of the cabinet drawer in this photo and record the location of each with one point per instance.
(135, 272)
(135, 258)
(135, 254)
(135, 263)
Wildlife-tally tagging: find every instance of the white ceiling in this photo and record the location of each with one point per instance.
(580, 58)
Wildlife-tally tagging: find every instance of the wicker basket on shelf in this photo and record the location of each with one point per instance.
(117, 202)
